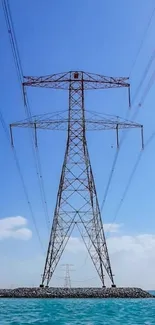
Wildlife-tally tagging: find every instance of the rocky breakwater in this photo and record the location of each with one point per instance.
(74, 293)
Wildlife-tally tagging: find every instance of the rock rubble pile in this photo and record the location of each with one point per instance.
(74, 293)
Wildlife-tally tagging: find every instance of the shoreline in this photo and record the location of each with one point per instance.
(59, 292)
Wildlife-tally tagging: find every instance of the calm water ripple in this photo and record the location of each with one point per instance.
(77, 311)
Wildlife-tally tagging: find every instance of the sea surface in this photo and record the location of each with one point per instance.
(77, 311)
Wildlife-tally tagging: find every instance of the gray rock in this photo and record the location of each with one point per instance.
(74, 293)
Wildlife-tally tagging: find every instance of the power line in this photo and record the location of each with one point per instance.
(134, 97)
(18, 65)
(151, 137)
(125, 132)
(22, 180)
(123, 137)
(128, 184)
(142, 41)
(126, 189)
(12, 37)
(143, 76)
(149, 140)
(149, 85)
(144, 94)
(83, 280)
(147, 89)
(84, 263)
(110, 178)
(132, 173)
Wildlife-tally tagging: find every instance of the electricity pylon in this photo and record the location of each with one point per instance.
(77, 202)
(67, 282)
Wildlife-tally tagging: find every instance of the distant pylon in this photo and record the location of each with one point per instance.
(67, 278)
(77, 203)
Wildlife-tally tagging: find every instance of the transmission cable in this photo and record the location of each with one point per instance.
(125, 190)
(142, 41)
(114, 165)
(125, 132)
(134, 168)
(84, 263)
(110, 178)
(151, 137)
(18, 65)
(143, 76)
(22, 181)
(147, 89)
(145, 93)
(62, 277)
(135, 95)
(128, 183)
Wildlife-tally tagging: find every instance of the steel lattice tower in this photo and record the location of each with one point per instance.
(67, 278)
(77, 203)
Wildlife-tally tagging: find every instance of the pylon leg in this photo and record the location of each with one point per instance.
(60, 235)
(87, 218)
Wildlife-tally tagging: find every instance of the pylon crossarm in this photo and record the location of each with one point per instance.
(107, 124)
(62, 80)
(90, 125)
(43, 120)
(98, 121)
(49, 124)
(59, 121)
(58, 125)
(80, 79)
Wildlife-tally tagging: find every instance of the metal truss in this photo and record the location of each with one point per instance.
(63, 81)
(77, 202)
(59, 121)
(67, 278)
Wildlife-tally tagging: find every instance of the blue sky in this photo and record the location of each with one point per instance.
(96, 36)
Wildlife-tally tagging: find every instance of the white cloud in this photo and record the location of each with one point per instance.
(13, 227)
(132, 259)
(76, 244)
(112, 227)
(139, 244)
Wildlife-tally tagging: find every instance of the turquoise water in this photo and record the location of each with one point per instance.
(77, 311)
